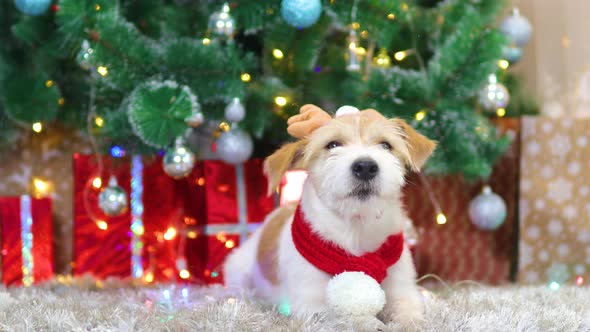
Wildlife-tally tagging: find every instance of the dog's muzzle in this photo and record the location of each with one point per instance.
(364, 169)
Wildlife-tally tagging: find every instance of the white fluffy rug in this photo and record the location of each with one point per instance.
(173, 308)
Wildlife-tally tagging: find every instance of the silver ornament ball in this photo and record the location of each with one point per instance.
(494, 95)
(487, 211)
(512, 54)
(235, 146)
(517, 28)
(179, 160)
(85, 55)
(235, 111)
(112, 200)
(301, 13)
(222, 24)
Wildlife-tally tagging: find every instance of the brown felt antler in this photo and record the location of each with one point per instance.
(310, 118)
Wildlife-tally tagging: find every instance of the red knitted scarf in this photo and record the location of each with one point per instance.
(334, 260)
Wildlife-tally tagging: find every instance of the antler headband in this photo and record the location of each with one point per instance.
(311, 117)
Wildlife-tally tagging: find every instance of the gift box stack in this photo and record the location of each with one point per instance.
(554, 196)
(175, 230)
(27, 240)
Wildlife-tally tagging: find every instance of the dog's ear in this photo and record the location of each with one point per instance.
(419, 146)
(288, 157)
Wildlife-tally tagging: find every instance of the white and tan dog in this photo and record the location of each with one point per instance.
(351, 198)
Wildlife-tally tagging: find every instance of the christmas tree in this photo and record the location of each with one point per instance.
(138, 74)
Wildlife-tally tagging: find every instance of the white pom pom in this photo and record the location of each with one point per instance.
(346, 110)
(355, 293)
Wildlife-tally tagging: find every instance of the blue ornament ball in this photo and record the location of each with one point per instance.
(487, 211)
(32, 7)
(512, 54)
(517, 28)
(301, 13)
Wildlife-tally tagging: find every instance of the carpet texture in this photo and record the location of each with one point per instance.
(173, 308)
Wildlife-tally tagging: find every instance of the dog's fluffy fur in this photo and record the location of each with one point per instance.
(355, 215)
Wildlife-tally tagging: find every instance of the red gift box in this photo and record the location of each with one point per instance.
(458, 250)
(174, 229)
(27, 236)
(133, 244)
(235, 204)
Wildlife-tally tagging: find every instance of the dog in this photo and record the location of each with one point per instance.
(356, 165)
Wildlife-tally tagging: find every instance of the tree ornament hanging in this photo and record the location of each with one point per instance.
(494, 95)
(32, 7)
(512, 53)
(195, 119)
(301, 13)
(112, 200)
(235, 111)
(222, 24)
(234, 146)
(517, 28)
(382, 59)
(353, 63)
(179, 160)
(85, 55)
(487, 210)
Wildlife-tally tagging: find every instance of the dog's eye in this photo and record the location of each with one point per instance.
(333, 144)
(385, 145)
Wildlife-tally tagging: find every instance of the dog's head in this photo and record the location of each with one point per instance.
(352, 159)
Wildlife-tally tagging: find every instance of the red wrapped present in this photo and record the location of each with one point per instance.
(27, 236)
(458, 250)
(139, 243)
(223, 205)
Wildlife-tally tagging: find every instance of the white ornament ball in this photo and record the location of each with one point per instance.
(112, 200)
(517, 28)
(235, 146)
(355, 293)
(494, 95)
(179, 160)
(487, 211)
(235, 111)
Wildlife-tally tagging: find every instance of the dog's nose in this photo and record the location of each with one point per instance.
(365, 169)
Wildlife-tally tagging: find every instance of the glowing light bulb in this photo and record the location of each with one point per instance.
(391, 16)
(501, 112)
(420, 115)
(221, 237)
(356, 25)
(61, 101)
(441, 219)
(102, 70)
(149, 277)
(97, 182)
(98, 121)
(192, 234)
(503, 64)
(40, 186)
(281, 101)
(278, 54)
(554, 285)
(206, 41)
(102, 225)
(400, 55)
(184, 274)
(37, 127)
(245, 77)
(97, 7)
(230, 244)
(48, 83)
(170, 233)
(579, 280)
